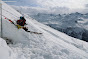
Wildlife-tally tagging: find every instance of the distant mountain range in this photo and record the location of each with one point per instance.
(74, 24)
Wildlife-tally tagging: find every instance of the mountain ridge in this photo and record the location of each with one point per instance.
(52, 44)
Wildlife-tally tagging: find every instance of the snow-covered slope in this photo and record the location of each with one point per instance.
(5, 51)
(78, 22)
(52, 44)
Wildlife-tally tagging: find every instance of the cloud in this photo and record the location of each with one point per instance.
(36, 10)
(62, 3)
(52, 3)
(86, 5)
(54, 6)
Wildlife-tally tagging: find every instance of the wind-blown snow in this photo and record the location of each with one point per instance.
(5, 51)
(52, 44)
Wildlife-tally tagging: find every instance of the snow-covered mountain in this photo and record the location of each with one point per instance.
(78, 21)
(52, 44)
(74, 24)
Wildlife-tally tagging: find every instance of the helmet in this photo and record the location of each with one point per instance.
(21, 17)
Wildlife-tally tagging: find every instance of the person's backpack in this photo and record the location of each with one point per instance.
(22, 21)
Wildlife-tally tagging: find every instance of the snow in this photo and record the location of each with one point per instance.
(74, 24)
(52, 44)
(5, 51)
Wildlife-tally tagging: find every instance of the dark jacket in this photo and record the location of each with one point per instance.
(21, 22)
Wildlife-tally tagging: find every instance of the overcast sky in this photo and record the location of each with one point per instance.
(53, 4)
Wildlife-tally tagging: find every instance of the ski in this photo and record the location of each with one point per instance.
(19, 27)
(34, 32)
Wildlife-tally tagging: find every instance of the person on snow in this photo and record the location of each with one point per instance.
(21, 22)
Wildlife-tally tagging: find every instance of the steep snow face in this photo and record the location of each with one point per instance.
(5, 51)
(78, 22)
(51, 44)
